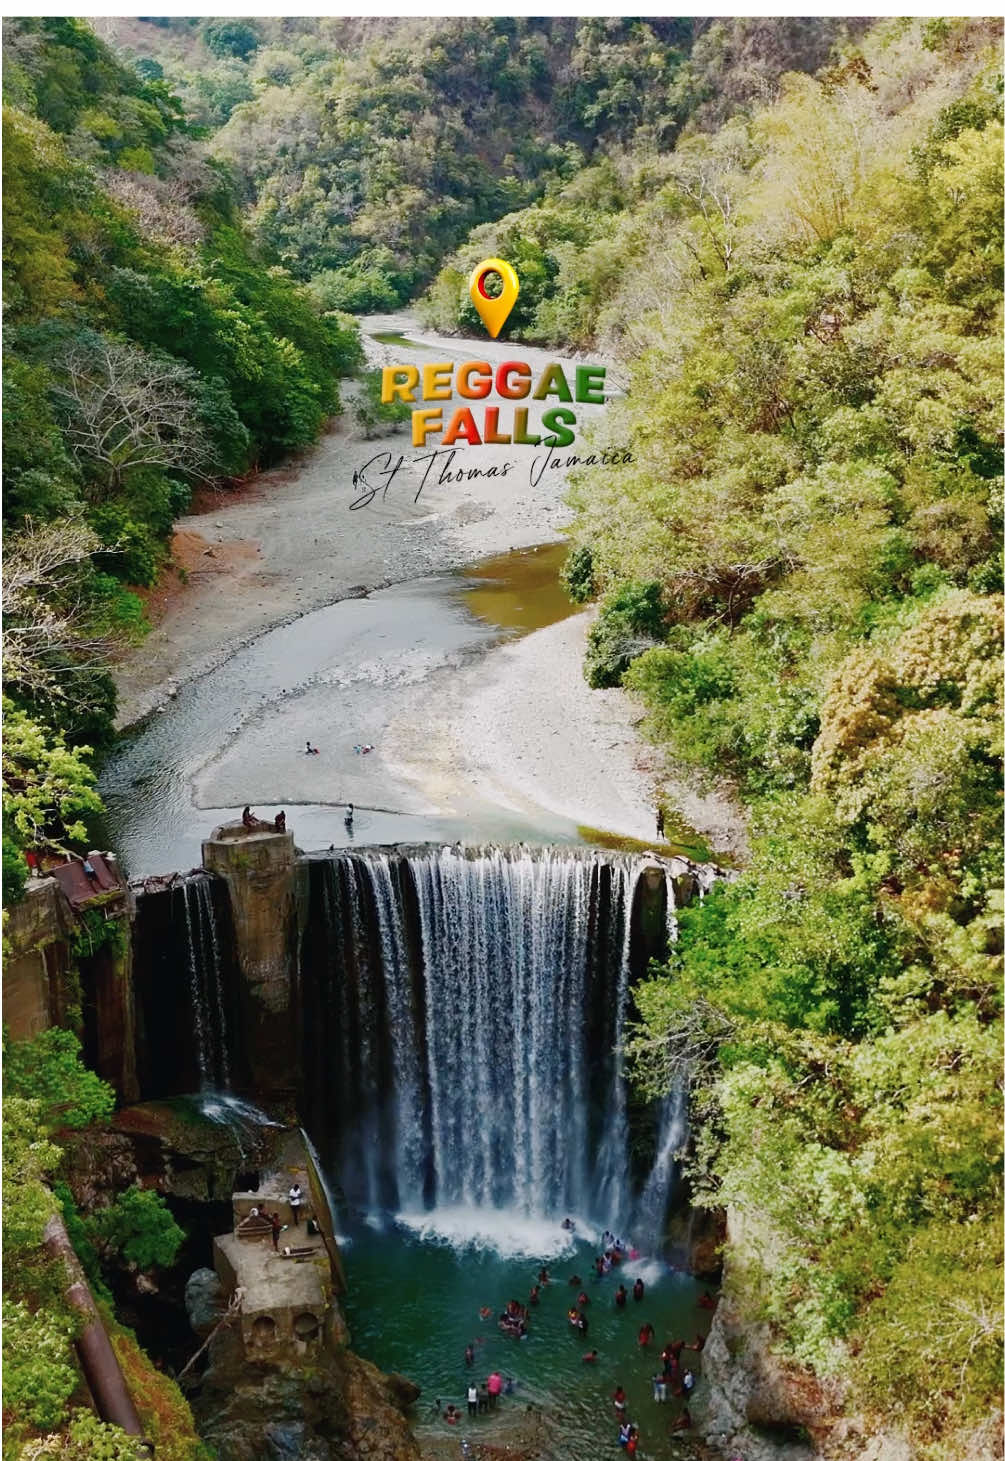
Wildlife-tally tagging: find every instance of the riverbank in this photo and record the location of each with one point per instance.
(290, 543)
(521, 728)
(483, 742)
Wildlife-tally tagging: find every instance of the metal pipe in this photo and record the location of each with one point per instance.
(98, 1360)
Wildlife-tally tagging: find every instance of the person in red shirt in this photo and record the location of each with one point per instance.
(620, 1401)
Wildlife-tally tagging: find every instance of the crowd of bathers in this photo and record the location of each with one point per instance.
(674, 1380)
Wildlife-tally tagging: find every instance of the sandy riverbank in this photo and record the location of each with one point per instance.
(291, 543)
(520, 728)
(462, 733)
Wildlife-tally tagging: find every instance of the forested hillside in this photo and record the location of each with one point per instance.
(800, 578)
(366, 150)
(149, 348)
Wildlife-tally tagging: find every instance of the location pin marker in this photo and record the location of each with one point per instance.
(494, 311)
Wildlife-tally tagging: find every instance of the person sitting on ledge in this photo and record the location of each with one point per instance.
(280, 821)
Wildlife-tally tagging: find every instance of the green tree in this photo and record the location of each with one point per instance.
(48, 1070)
(137, 1226)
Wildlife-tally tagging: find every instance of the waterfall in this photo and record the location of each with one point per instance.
(673, 1133)
(205, 981)
(463, 1018)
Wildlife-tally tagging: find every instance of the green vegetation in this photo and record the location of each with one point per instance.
(47, 1089)
(368, 149)
(148, 349)
(787, 236)
(373, 415)
(812, 346)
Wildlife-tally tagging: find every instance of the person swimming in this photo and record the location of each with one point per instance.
(590, 1357)
(621, 1296)
(638, 1290)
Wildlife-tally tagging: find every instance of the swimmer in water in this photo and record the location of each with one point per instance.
(590, 1357)
(485, 1313)
(469, 1355)
(534, 1297)
(621, 1297)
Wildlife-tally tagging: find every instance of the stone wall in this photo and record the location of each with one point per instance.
(50, 978)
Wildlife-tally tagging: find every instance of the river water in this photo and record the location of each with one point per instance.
(333, 677)
(413, 1306)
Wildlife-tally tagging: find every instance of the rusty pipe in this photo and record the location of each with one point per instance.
(98, 1359)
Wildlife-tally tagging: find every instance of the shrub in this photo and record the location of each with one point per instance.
(630, 622)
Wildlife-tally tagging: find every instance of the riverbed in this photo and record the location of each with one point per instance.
(421, 643)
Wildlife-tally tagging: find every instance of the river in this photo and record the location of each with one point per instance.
(391, 627)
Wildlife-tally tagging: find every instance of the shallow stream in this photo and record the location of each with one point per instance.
(333, 677)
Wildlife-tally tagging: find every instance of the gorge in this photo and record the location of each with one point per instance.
(446, 1022)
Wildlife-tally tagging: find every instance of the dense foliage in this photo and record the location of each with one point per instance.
(788, 236)
(811, 338)
(367, 149)
(48, 1090)
(148, 349)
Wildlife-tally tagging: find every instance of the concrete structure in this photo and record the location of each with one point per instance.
(60, 968)
(259, 868)
(289, 1309)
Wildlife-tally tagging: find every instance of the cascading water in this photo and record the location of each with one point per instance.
(463, 1015)
(205, 979)
(673, 1123)
(186, 988)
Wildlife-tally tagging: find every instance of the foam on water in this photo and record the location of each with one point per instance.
(227, 1110)
(504, 1231)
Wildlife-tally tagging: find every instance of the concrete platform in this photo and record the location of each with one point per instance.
(287, 1308)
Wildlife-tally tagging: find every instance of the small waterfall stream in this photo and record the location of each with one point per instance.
(205, 981)
(463, 1017)
(185, 982)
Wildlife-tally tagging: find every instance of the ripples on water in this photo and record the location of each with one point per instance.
(417, 1283)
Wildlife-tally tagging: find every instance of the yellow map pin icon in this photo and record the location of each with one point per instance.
(494, 311)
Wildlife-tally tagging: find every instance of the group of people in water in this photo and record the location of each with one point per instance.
(673, 1380)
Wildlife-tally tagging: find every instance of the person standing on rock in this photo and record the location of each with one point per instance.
(277, 1228)
(660, 822)
(296, 1198)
